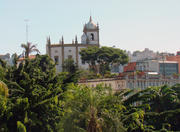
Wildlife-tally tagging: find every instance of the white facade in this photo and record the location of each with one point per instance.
(142, 55)
(161, 67)
(148, 65)
(150, 80)
(60, 52)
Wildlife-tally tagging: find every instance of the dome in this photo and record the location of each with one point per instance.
(90, 24)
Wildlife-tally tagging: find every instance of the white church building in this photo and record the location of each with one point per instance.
(60, 52)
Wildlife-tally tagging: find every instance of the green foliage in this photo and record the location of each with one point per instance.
(3, 106)
(20, 127)
(103, 57)
(29, 48)
(69, 66)
(176, 88)
(89, 55)
(163, 107)
(3, 69)
(3, 89)
(34, 98)
(108, 56)
(86, 109)
(86, 74)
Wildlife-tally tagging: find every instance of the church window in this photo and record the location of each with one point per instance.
(92, 36)
(56, 59)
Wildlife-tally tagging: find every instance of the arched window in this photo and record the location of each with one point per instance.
(92, 36)
(56, 59)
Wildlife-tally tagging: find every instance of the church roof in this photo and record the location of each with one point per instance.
(90, 24)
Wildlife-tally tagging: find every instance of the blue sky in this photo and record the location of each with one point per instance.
(127, 24)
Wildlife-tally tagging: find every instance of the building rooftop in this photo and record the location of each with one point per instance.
(167, 61)
(30, 57)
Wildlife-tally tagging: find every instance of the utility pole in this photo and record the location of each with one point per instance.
(26, 21)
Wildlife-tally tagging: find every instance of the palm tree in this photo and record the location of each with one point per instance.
(159, 105)
(162, 98)
(159, 98)
(92, 110)
(29, 48)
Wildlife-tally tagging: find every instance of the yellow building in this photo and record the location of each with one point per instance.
(114, 83)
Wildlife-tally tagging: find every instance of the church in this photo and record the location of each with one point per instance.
(60, 52)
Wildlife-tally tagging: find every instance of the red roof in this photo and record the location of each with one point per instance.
(130, 67)
(30, 57)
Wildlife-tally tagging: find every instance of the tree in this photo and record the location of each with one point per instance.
(177, 89)
(161, 98)
(3, 106)
(92, 110)
(21, 127)
(2, 72)
(34, 98)
(160, 106)
(107, 56)
(89, 55)
(3, 89)
(3, 113)
(69, 66)
(164, 107)
(104, 57)
(29, 48)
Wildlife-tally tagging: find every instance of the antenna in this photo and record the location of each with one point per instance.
(26, 21)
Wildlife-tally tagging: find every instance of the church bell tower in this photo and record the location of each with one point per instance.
(90, 33)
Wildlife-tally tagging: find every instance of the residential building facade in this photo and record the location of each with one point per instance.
(150, 79)
(5, 57)
(175, 58)
(146, 54)
(166, 68)
(134, 81)
(115, 83)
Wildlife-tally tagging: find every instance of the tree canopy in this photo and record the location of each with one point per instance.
(35, 90)
(3, 89)
(29, 48)
(34, 97)
(103, 58)
(69, 66)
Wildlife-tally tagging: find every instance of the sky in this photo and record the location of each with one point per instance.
(128, 24)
